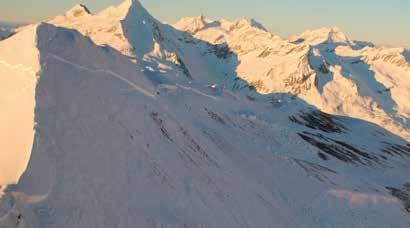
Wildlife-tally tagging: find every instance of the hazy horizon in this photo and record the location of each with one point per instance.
(379, 22)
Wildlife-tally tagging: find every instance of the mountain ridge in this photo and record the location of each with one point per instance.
(268, 62)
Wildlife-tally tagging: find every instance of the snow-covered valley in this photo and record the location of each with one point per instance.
(115, 119)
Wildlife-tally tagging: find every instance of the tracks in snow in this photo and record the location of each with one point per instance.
(108, 72)
(134, 86)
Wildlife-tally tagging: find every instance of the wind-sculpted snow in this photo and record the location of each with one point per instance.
(120, 141)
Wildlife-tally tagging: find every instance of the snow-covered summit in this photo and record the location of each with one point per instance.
(321, 35)
(248, 23)
(194, 24)
(242, 35)
(127, 9)
(130, 29)
(78, 10)
(116, 26)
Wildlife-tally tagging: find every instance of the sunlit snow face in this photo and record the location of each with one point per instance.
(18, 76)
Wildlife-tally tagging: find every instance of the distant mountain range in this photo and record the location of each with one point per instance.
(323, 67)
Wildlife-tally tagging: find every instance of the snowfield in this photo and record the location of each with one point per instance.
(115, 119)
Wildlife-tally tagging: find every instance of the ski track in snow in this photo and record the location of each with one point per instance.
(179, 86)
(30, 70)
(196, 91)
(109, 72)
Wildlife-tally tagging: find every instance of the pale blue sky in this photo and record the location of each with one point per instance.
(380, 21)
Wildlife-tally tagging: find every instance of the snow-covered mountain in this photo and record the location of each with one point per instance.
(148, 126)
(322, 67)
(130, 29)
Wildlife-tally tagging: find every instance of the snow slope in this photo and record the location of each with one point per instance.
(115, 145)
(18, 79)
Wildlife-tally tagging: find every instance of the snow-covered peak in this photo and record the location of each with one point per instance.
(127, 9)
(322, 35)
(130, 5)
(336, 35)
(127, 27)
(247, 23)
(193, 24)
(78, 10)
